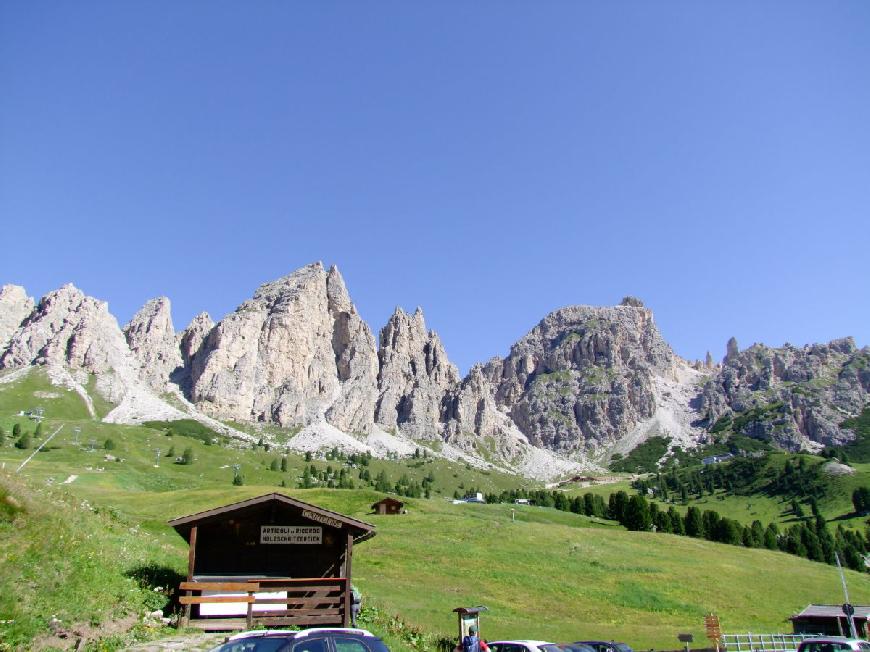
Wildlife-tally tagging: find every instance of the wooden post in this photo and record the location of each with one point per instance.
(191, 561)
(348, 574)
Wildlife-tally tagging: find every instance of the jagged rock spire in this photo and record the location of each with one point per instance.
(15, 306)
(414, 376)
(152, 340)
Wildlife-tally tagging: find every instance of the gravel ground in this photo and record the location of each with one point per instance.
(189, 643)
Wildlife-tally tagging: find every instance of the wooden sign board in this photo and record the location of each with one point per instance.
(291, 534)
(711, 623)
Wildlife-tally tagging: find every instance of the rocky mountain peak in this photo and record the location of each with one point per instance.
(336, 292)
(152, 340)
(194, 335)
(15, 306)
(296, 353)
(799, 395)
(583, 377)
(69, 329)
(415, 375)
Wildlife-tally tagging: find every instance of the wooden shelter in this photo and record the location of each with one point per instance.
(272, 561)
(830, 620)
(389, 506)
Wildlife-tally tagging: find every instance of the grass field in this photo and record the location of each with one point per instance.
(542, 573)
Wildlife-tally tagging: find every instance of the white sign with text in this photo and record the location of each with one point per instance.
(291, 534)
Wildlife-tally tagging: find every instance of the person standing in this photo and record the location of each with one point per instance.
(471, 643)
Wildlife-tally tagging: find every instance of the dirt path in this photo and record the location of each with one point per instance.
(189, 643)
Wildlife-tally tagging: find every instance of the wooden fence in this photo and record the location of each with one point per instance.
(309, 601)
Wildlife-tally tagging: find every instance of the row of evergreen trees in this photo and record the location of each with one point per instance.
(810, 539)
(795, 479)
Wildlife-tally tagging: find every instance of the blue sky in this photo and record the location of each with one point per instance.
(488, 161)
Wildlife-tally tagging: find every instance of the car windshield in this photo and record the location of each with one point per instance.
(824, 646)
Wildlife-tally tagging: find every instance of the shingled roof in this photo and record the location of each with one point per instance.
(831, 611)
(360, 529)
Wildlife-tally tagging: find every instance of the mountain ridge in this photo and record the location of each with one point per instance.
(583, 383)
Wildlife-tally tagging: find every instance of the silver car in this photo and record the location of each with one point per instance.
(833, 644)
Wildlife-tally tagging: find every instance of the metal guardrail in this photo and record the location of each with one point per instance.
(750, 642)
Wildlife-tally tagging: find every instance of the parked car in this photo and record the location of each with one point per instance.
(576, 647)
(308, 640)
(524, 646)
(832, 644)
(605, 646)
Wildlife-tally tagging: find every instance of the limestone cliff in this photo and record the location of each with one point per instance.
(414, 378)
(15, 306)
(70, 329)
(152, 340)
(583, 377)
(296, 353)
(794, 397)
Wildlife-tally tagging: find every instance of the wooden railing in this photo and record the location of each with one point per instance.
(309, 601)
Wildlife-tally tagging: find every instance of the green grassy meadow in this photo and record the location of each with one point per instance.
(87, 524)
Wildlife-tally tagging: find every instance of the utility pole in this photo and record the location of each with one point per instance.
(848, 609)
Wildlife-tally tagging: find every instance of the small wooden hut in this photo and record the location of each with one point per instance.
(830, 620)
(389, 506)
(272, 561)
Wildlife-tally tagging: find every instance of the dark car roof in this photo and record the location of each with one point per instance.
(372, 641)
(602, 643)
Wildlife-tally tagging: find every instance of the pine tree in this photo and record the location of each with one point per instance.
(861, 500)
(275, 465)
(693, 524)
(678, 525)
(770, 537)
(757, 530)
(589, 504)
(187, 456)
(284, 464)
(616, 506)
(636, 515)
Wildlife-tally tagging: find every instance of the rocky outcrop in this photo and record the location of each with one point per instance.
(152, 340)
(190, 344)
(192, 337)
(583, 377)
(75, 331)
(793, 397)
(15, 306)
(731, 350)
(296, 353)
(414, 378)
